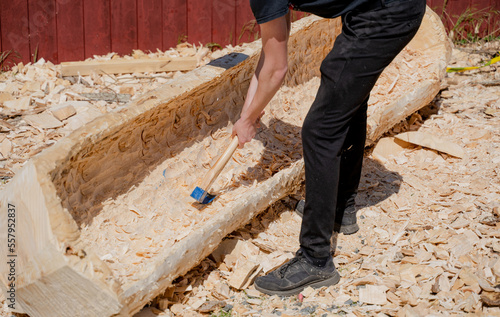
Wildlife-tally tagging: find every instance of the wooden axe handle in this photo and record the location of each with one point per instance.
(219, 165)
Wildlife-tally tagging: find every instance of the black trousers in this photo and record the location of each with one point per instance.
(334, 130)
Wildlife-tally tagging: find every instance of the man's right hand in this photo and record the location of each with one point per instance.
(246, 129)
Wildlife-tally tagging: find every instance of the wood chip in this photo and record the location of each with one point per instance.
(372, 294)
(432, 142)
(63, 112)
(5, 96)
(442, 283)
(22, 103)
(211, 306)
(242, 273)
(387, 147)
(491, 298)
(5, 148)
(43, 120)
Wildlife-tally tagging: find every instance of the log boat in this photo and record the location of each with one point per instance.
(104, 221)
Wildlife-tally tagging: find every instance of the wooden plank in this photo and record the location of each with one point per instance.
(15, 27)
(43, 30)
(224, 22)
(247, 29)
(199, 23)
(123, 26)
(97, 22)
(149, 24)
(70, 32)
(128, 66)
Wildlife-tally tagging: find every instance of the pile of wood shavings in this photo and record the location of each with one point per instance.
(429, 238)
(131, 231)
(32, 95)
(162, 198)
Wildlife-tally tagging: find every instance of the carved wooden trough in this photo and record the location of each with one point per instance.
(104, 220)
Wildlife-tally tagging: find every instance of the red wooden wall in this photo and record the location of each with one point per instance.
(478, 18)
(67, 30)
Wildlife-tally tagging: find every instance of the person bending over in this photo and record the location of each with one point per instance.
(334, 130)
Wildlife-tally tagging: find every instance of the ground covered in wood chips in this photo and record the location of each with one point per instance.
(429, 238)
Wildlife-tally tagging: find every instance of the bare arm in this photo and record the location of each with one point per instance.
(269, 75)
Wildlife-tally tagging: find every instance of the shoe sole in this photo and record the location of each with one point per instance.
(328, 282)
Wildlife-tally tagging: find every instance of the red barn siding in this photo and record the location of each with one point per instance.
(199, 21)
(123, 26)
(63, 30)
(149, 21)
(97, 27)
(43, 29)
(224, 22)
(246, 28)
(15, 27)
(174, 22)
(70, 30)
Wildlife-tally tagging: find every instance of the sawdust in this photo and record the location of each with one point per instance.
(404, 198)
(429, 226)
(130, 231)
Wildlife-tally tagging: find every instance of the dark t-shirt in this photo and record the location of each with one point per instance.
(267, 10)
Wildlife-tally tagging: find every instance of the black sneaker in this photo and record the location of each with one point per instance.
(348, 224)
(295, 275)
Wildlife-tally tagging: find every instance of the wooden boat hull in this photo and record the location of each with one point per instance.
(104, 221)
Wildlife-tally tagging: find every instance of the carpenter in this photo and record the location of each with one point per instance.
(334, 131)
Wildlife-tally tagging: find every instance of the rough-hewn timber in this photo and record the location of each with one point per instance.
(104, 221)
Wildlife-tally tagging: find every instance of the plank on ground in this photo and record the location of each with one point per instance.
(70, 32)
(97, 21)
(128, 66)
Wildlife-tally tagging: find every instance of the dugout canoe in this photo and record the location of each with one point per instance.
(103, 219)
